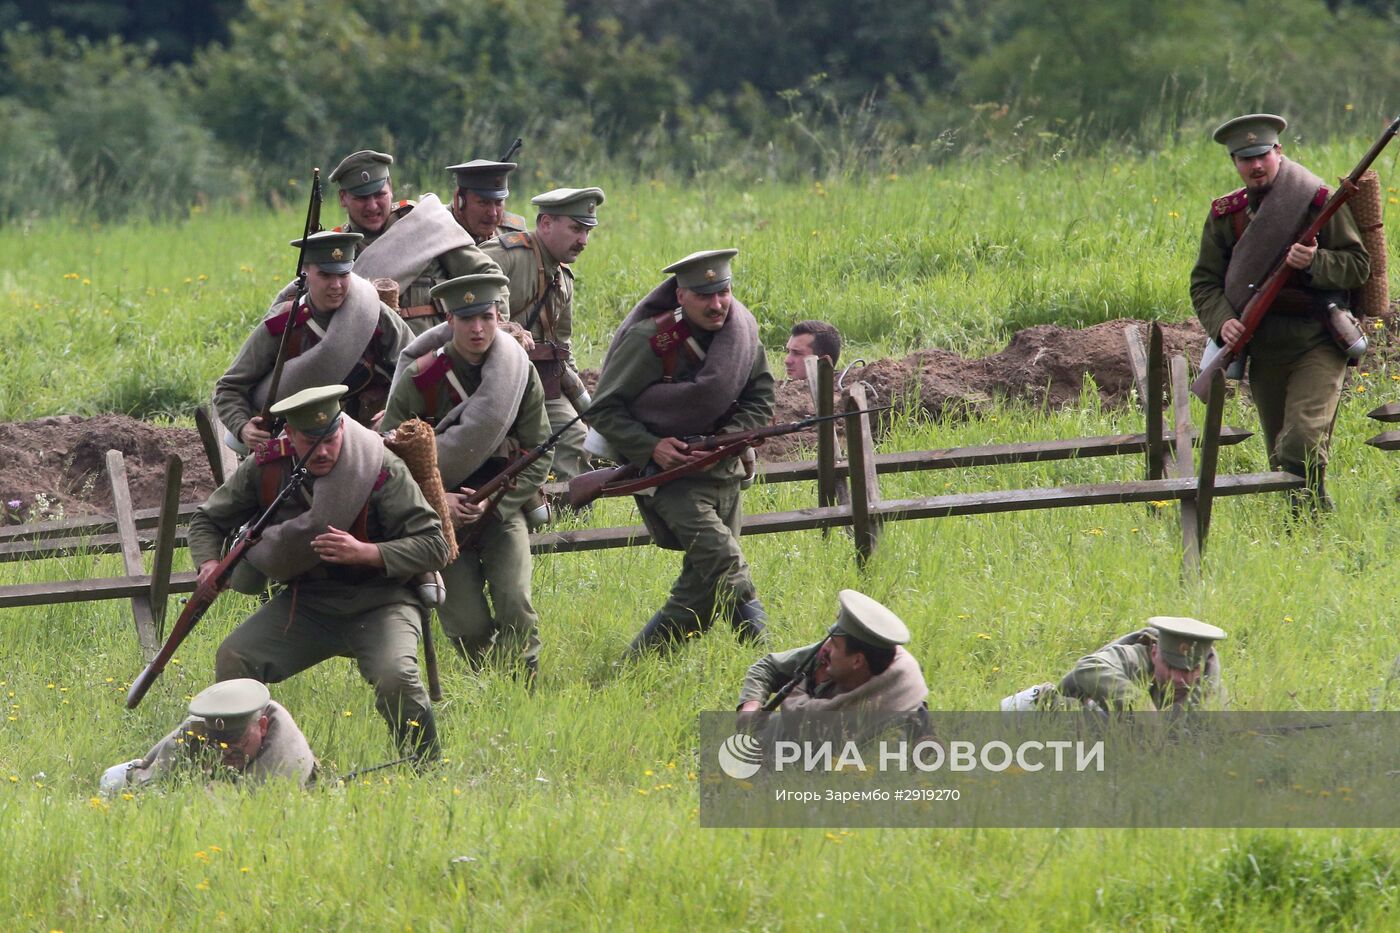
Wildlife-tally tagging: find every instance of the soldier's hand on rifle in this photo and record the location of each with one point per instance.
(254, 435)
(341, 547)
(673, 452)
(1231, 331)
(1300, 256)
(464, 512)
(205, 572)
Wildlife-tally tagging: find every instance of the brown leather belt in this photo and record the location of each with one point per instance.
(416, 311)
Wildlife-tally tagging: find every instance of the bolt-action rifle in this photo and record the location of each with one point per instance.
(629, 479)
(495, 489)
(312, 225)
(809, 667)
(514, 148)
(209, 589)
(1218, 358)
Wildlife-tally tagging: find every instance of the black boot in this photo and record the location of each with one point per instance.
(532, 674)
(419, 739)
(748, 620)
(659, 634)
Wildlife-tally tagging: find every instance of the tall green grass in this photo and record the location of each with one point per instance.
(577, 805)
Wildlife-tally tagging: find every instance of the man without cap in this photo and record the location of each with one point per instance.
(1170, 663)
(810, 338)
(236, 722)
(417, 244)
(486, 404)
(344, 549)
(687, 361)
(341, 333)
(479, 203)
(1295, 365)
(542, 301)
(860, 665)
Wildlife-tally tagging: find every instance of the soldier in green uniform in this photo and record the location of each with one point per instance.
(861, 665)
(485, 402)
(416, 243)
(241, 727)
(1295, 365)
(341, 333)
(1170, 663)
(480, 202)
(344, 550)
(687, 361)
(542, 302)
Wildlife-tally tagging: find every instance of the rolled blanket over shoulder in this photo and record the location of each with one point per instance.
(350, 330)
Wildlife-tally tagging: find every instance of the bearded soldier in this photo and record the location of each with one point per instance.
(485, 402)
(687, 361)
(417, 244)
(239, 725)
(1295, 365)
(341, 333)
(542, 301)
(1171, 662)
(344, 551)
(480, 202)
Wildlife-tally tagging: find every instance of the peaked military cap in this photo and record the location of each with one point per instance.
(229, 707)
(1182, 642)
(1250, 135)
(330, 251)
(705, 272)
(363, 172)
(471, 294)
(581, 204)
(487, 179)
(314, 411)
(867, 620)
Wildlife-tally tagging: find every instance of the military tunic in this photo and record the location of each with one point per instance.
(501, 560)
(233, 393)
(534, 274)
(701, 513)
(334, 610)
(416, 306)
(1119, 676)
(1295, 367)
(284, 755)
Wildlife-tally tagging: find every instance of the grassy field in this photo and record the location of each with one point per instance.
(577, 805)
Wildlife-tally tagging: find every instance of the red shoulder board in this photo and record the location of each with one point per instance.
(276, 449)
(431, 373)
(515, 240)
(670, 333)
(1321, 197)
(340, 229)
(278, 322)
(1232, 203)
(383, 478)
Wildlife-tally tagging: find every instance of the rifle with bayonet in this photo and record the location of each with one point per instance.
(630, 479)
(495, 489)
(1217, 358)
(311, 225)
(209, 588)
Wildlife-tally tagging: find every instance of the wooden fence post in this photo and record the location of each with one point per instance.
(865, 486)
(165, 540)
(1181, 467)
(131, 550)
(1210, 457)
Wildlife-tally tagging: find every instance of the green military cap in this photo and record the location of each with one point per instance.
(705, 272)
(487, 179)
(1182, 642)
(363, 172)
(229, 707)
(581, 204)
(1250, 135)
(314, 411)
(471, 294)
(867, 620)
(330, 251)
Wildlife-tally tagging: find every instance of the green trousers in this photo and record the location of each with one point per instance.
(378, 626)
(500, 566)
(570, 459)
(704, 517)
(1297, 398)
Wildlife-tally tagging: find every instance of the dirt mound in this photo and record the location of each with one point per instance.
(64, 459)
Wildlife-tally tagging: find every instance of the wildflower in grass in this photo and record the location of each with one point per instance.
(203, 277)
(1348, 107)
(128, 796)
(14, 778)
(87, 281)
(984, 636)
(1174, 215)
(348, 714)
(97, 803)
(203, 885)
(202, 856)
(245, 869)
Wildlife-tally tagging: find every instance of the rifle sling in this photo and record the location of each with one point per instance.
(632, 487)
